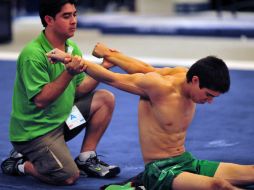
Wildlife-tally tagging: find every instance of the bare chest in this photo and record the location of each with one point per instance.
(173, 114)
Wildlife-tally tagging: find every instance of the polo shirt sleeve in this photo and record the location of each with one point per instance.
(35, 76)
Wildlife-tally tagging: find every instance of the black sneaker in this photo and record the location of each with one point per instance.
(93, 167)
(10, 165)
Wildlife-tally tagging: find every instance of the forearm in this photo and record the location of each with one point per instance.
(90, 83)
(128, 64)
(86, 86)
(125, 82)
(51, 91)
(98, 72)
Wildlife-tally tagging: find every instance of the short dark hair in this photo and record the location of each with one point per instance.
(51, 8)
(212, 72)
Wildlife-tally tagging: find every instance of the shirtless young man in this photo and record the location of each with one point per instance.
(168, 98)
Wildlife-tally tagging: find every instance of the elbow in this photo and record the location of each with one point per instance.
(147, 69)
(40, 105)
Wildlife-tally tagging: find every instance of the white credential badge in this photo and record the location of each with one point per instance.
(75, 118)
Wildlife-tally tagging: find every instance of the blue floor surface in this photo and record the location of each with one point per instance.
(222, 131)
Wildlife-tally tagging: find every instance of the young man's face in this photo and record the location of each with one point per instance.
(65, 22)
(205, 95)
(202, 95)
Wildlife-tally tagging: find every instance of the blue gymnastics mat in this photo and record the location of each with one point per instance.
(199, 24)
(221, 131)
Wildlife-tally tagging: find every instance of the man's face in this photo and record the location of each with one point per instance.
(202, 95)
(65, 22)
(205, 95)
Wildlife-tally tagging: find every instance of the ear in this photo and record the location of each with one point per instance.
(195, 80)
(48, 19)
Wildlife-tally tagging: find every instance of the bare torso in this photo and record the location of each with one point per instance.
(165, 109)
(163, 122)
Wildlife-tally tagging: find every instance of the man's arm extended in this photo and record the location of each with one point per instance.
(137, 83)
(129, 64)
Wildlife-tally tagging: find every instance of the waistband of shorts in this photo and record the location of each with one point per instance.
(179, 158)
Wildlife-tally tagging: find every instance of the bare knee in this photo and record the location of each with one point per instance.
(221, 184)
(72, 179)
(106, 98)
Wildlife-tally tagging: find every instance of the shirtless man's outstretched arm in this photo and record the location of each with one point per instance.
(129, 64)
(135, 83)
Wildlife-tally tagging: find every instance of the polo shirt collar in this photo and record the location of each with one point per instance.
(48, 47)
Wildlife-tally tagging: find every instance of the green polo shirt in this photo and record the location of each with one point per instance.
(33, 72)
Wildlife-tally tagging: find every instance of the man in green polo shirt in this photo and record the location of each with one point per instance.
(53, 103)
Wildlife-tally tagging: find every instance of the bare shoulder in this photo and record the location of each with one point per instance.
(175, 70)
(153, 76)
(158, 83)
(151, 80)
(181, 69)
(171, 71)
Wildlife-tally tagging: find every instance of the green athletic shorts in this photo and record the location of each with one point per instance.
(159, 175)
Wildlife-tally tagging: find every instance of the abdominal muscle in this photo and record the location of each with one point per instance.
(156, 147)
(158, 140)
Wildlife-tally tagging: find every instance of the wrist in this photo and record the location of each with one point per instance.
(70, 73)
(107, 54)
(103, 65)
